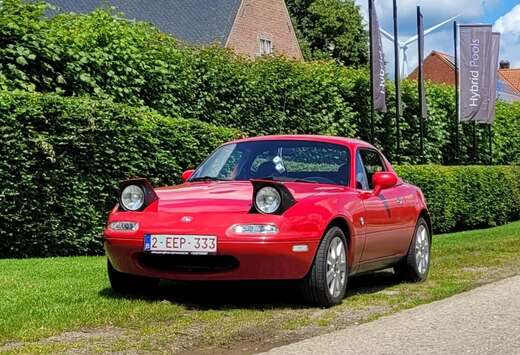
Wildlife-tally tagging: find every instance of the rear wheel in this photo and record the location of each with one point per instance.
(416, 265)
(126, 283)
(326, 283)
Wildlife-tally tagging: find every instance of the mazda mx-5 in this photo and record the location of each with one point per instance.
(314, 209)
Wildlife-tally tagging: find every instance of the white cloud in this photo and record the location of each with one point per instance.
(510, 22)
(509, 26)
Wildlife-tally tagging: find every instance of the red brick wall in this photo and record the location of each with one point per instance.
(267, 19)
(436, 70)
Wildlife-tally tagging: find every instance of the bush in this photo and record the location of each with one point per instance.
(62, 159)
(467, 197)
(104, 56)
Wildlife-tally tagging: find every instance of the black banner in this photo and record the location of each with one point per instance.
(420, 77)
(378, 62)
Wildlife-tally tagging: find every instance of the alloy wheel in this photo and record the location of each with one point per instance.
(422, 249)
(336, 267)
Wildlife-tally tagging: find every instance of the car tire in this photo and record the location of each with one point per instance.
(331, 259)
(126, 283)
(416, 265)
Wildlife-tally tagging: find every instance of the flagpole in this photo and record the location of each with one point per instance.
(475, 153)
(372, 109)
(457, 99)
(420, 78)
(490, 137)
(397, 87)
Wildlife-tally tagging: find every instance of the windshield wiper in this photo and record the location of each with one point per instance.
(207, 178)
(302, 180)
(284, 179)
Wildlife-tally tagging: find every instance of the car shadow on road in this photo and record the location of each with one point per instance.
(247, 294)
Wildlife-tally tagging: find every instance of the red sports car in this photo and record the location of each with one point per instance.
(310, 208)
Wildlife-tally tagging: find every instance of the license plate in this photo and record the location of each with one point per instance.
(180, 244)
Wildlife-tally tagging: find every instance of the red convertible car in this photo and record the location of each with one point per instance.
(310, 208)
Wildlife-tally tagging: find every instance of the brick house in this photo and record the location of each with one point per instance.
(439, 68)
(249, 27)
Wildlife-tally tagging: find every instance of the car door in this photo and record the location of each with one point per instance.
(383, 213)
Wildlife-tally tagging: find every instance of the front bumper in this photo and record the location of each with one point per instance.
(238, 257)
(256, 260)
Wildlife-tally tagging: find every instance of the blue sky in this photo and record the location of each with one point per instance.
(504, 15)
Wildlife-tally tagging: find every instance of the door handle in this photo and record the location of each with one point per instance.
(399, 200)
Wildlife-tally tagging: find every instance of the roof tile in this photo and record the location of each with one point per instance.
(192, 21)
(512, 76)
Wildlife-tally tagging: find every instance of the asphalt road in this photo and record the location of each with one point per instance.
(485, 320)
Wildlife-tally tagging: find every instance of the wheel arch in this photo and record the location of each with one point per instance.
(426, 215)
(342, 223)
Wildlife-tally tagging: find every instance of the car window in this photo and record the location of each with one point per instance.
(361, 175)
(372, 163)
(314, 163)
(284, 160)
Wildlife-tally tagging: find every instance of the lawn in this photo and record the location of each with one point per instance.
(63, 304)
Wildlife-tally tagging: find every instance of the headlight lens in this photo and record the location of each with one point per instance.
(124, 226)
(132, 198)
(263, 229)
(267, 200)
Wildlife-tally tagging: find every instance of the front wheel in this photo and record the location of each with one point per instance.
(126, 283)
(416, 265)
(326, 283)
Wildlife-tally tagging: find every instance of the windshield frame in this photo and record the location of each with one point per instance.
(346, 147)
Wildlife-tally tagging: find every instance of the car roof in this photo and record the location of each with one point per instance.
(310, 138)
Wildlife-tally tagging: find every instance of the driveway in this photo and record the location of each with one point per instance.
(485, 320)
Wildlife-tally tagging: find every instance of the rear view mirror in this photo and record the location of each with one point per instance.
(383, 180)
(187, 174)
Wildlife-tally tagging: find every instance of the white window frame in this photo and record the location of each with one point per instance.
(265, 46)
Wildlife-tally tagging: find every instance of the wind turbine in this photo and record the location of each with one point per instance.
(403, 46)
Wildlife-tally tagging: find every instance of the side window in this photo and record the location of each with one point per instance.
(361, 176)
(372, 163)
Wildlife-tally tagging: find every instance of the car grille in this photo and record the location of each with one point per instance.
(188, 263)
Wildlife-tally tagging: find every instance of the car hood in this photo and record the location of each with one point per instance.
(225, 196)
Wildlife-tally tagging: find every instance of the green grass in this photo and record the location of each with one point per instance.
(44, 298)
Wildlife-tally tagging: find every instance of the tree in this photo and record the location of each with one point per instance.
(330, 29)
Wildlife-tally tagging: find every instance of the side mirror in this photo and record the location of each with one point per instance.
(187, 174)
(383, 180)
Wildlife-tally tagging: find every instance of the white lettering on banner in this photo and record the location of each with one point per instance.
(475, 74)
(475, 88)
(475, 53)
(382, 73)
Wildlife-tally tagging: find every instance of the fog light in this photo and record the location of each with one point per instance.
(124, 226)
(263, 229)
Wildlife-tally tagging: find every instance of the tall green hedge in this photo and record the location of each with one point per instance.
(62, 159)
(62, 153)
(103, 56)
(467, 197)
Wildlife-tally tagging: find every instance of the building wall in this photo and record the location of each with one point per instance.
(263, 19)
(436, 70)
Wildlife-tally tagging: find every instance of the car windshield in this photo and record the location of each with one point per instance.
(280, 160)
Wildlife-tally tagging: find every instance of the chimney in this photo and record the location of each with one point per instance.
(504, 64)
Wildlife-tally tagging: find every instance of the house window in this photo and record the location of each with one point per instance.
(266, 46)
